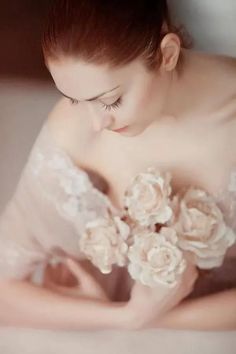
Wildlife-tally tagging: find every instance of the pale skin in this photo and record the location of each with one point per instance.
(179, 119)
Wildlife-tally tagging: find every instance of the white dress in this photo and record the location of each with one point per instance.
(52, 202)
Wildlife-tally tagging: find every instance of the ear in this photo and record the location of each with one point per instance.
(170, 49)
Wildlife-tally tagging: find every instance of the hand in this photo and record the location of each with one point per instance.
(147, 305)
(71, 279)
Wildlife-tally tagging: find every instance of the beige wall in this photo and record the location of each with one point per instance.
(212, 23)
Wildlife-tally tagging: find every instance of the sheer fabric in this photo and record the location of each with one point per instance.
(51, 204)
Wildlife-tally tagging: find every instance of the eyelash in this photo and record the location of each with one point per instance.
(114, 105)
(73, 101)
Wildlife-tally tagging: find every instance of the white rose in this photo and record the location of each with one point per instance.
(104, 243)
(147, 200)
(201, 229)
(155, 258)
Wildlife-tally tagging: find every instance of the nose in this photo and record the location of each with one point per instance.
(101, 122)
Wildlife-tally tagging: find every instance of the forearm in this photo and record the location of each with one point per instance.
(27, 305)
(213, 312)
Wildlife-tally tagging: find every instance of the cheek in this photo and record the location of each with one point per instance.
(146, 95)
(141, 105)
(136, 104)
(133, 108)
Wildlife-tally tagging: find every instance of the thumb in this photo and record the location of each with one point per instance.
(85, 279)
(75, 268)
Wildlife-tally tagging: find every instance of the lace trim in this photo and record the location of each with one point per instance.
(67, 186)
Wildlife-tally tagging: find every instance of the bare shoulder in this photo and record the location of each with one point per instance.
(221, 74)
(224, 89)
(68, 128)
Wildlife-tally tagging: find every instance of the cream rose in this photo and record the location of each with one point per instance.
(147, 199)
(201, 229)
(155, 258)
(104, 242)
(136, 229)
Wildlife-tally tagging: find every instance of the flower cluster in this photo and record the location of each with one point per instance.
(158, 229)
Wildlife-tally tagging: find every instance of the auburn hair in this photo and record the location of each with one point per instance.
(113, 32)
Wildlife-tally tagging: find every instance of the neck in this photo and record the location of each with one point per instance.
(188, 85)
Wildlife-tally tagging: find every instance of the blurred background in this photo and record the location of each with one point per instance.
(21, 23)
(27, 93)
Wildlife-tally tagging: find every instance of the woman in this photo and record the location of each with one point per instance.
(134, 98)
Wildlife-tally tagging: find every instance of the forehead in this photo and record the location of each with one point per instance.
(74, 76)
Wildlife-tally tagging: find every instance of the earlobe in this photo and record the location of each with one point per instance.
(170, 48)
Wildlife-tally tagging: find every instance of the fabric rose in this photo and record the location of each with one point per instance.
(104, 242)
(147, 199)
(136, 228)
(155, 258)
(201, 229)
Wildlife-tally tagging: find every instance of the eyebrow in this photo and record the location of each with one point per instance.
(92, 98)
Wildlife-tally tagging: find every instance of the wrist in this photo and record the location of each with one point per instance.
(134, 319)
(123, 317)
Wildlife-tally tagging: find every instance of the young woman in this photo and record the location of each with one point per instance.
(134, 97)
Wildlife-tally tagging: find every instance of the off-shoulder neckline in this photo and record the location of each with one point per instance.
(223, 196)
(53, 144)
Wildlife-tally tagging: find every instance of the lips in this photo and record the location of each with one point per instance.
(120, 130)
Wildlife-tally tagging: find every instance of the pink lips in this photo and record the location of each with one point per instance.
(120, 130)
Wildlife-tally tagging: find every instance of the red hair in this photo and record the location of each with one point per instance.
(107, 31)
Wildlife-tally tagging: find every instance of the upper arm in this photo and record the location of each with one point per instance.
(30, 225)
(51, 205)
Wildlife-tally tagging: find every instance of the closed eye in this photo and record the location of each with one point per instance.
(114, 105)
(107, 107)
(72, 101)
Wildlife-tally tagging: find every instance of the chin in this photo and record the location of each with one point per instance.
(136, 132)
(131, 131)
(131, 134)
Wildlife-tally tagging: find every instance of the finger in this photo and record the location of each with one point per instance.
(193, 274)
(189, 279)
(73, 267)
(87, 281)
(81, 274)
(190, 271)
(84, 279)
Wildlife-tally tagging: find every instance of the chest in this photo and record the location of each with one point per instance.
(193, 155)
